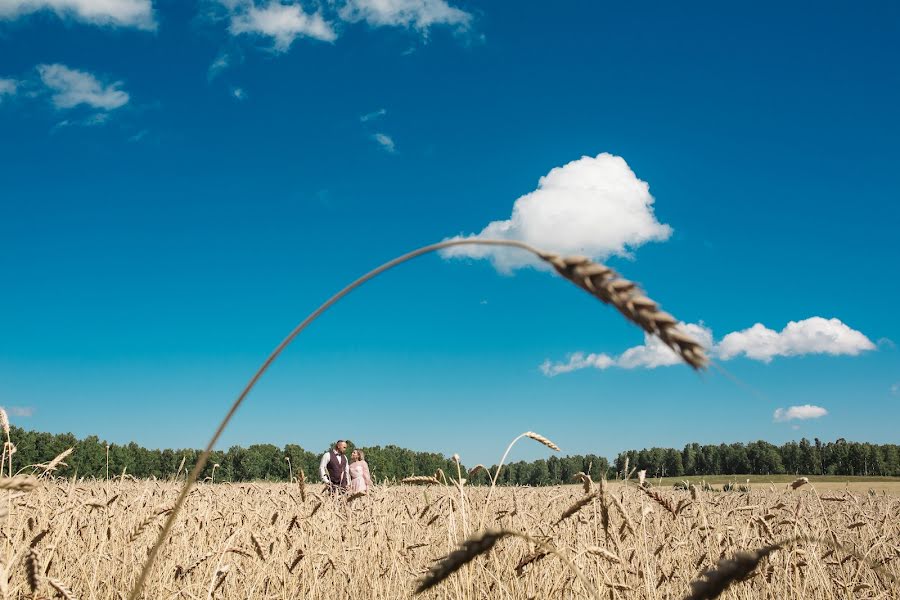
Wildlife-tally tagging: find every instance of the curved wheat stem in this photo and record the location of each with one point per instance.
(598, 280)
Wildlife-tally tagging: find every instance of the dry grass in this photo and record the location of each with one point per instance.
(264, 541)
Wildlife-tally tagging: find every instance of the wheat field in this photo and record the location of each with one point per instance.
(79, 539)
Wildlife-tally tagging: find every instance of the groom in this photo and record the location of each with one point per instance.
(334, 468)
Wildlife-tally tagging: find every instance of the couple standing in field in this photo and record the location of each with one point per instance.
(341, 475)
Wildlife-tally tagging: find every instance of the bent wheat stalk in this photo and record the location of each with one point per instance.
(596, 279)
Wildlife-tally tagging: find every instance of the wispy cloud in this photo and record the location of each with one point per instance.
(8, 87)
(19, 411)
(113, 13)
(71, 88)
(385, 142)
(239, 93)
(418, 14)
(809, 336)
(651, 354)
(802, 413)
(594, 206)
(895, 389)
(221, 62)
(283, 23)
(373, 115)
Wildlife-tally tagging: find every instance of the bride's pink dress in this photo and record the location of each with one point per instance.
(360, 480)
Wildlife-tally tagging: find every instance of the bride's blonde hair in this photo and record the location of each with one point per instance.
(360, 454)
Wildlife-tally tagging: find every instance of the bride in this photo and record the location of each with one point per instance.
(360, 480)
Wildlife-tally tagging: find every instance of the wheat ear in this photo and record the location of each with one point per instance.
(482, 543)
(729, 570)
(592, 277)
(606, 285)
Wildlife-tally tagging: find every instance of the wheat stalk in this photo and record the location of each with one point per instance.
(539, 438)
(576, 506)
(597, 279)
(421, 480)
(20, 483)
(61, 589)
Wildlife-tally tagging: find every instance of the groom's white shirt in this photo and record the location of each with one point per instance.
(323, 467)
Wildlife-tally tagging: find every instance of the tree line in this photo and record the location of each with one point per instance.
(94, 458)
(762, 458)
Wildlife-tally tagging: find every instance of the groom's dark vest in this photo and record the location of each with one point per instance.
(336, 472)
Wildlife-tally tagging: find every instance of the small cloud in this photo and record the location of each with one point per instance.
(282, 22)
(71, 87)
(139, 135)
(220, 63)
(373, 115)
(111, 13)
(20, 411)
(8, 87)
(804, 412)
(895, 389)
(577, 361)
(385, 142)
(886, 343)
(483, 302)
(239, 93)
(89, 121)
(417, 14)
(795, 427)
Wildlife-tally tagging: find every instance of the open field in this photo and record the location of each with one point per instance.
(265, 541)
(890, 485)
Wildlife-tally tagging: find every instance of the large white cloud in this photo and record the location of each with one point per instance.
(810, 336)
(120, 13)
(594, 206)
(71, 87)
(803, 412)
(282, 22)
(420, 14)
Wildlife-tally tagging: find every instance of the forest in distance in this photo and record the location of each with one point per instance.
(267, 462)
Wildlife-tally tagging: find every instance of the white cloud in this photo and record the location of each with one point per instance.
(8, 87)
(419, 14)
(71, 88)
(19, 411)
(385, 142)
(222, 62)
(804, 412)
(895, 389)
(373, 115)
(282, 22)
(594, 206)
(119, 13)
(810, 336)
(653, 353)
(239, 93)
(577, 361)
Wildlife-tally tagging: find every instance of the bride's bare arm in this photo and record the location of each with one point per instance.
(367, 475)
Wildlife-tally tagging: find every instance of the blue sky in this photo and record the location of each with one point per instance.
(182, 182)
